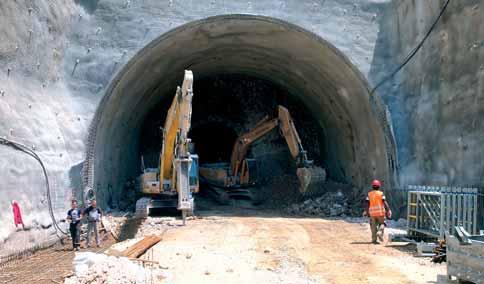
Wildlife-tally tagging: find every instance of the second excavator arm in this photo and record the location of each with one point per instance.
(241, 146)
(306, 173)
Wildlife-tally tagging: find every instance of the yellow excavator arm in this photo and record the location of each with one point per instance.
(175, 131)
(172, 184)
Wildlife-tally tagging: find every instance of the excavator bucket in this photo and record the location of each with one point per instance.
(310, 179)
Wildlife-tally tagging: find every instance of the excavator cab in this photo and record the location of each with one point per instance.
(193, 174)
(249, 173)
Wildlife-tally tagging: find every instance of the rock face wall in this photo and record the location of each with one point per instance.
(57, 57)
(37, 108)
(437, 100)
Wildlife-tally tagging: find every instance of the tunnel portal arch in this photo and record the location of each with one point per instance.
(358, 146)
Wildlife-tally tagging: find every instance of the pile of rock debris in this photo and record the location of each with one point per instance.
(93, 268)
(330, 204)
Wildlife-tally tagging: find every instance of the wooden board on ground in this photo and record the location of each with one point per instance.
(141, 247)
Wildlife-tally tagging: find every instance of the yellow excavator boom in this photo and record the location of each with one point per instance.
(177, 126)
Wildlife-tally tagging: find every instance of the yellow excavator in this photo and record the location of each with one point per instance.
(172, 184)
(237, 178)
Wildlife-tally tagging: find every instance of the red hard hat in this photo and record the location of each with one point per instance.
(376, 183)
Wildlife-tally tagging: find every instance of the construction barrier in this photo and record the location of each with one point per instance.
(436, 210)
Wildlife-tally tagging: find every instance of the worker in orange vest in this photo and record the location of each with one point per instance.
(377, 208)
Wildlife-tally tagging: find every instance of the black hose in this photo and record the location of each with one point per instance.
(26, 150)
(413, 52)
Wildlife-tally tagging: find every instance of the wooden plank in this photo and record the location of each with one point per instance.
(141, 247)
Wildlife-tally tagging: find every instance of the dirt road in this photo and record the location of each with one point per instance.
(265, 249)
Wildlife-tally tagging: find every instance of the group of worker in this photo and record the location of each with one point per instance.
(75, 217)
(377, 209)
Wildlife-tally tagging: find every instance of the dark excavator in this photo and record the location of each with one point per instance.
(238, 178)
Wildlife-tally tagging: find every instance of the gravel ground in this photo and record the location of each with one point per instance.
(257, 247)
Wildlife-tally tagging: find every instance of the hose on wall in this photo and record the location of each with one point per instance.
(20, 147)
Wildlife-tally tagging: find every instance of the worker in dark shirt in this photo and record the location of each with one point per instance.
(74, 217)
(93, 214)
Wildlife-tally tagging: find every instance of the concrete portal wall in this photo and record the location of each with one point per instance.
(437, 100)
(48, 100)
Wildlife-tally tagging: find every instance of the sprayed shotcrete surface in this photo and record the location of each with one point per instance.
(58, 58)
(313, 71)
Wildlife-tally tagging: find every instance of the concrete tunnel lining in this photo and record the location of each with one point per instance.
(310, 68)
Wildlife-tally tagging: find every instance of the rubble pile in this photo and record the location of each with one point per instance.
(100, 268)
(114, 221)
(331, 204)
(155, 225)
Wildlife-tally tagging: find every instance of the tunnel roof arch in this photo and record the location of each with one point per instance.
(312, 69)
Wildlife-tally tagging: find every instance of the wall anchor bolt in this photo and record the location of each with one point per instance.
(31, 32)
(75, 66)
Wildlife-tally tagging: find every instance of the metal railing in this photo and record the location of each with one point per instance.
(435, 210)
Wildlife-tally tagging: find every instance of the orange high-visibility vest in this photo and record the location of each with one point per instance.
(377, 207)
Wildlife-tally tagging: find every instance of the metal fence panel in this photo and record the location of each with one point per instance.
(435, 210)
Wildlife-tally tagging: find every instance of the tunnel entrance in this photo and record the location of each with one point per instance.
(243, 66)
(226, 106)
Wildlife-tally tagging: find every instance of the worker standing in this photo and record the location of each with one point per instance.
(74, 216)
(94, 215)
(377, 208)
(17, 215)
